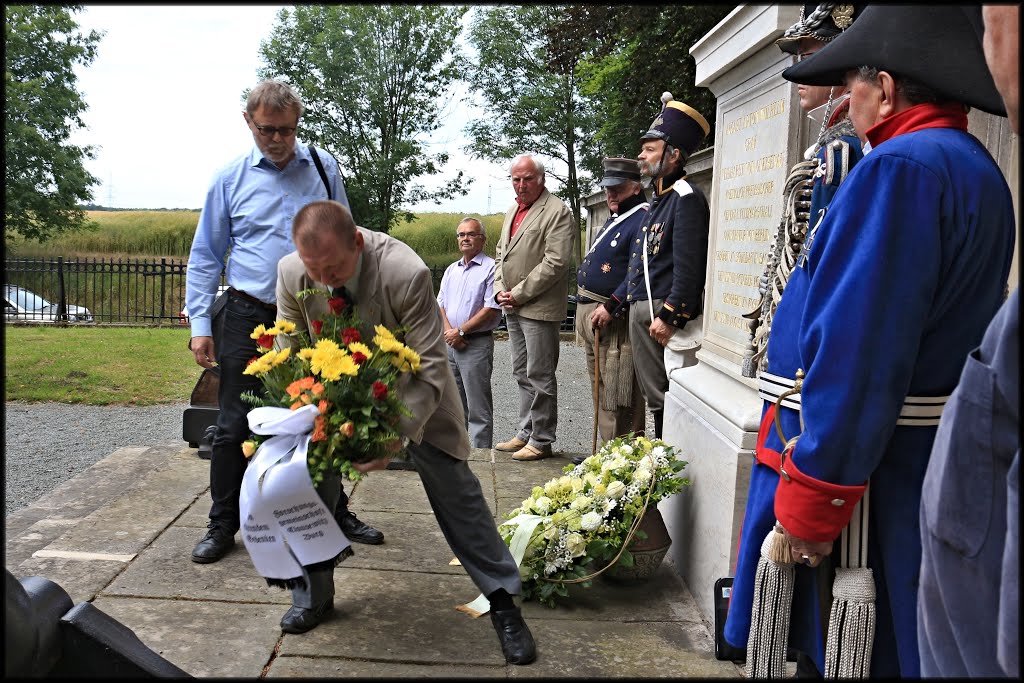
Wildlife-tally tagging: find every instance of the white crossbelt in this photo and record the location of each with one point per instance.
(917, 411)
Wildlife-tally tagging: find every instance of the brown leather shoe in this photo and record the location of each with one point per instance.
(510, 446)
(529, 452)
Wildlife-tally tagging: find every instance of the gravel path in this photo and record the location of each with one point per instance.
(49, 443)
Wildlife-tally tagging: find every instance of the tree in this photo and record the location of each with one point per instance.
(45, 177)
(372, 78)
(636, 54)
(531, 94)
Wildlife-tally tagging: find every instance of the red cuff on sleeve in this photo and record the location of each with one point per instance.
(810, 508)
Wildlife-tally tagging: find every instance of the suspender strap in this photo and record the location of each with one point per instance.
(320, 169)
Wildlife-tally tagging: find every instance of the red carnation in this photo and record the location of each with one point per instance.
(380, 390)
(317, 326)
(251, 361)
(337, 305)
(350, 335)
(265, 340)
(359, 358)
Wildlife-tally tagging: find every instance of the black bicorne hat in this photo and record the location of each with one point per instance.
(937, 45)
(821, 22)
(680, 125)
(618, 171)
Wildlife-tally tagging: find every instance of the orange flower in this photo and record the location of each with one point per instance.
(317, 389)
(296, 405)
(297, 387)
(323, 406)
(347, 429)
(318, 429)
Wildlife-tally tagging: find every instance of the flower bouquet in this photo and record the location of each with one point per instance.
(350, 381)
(587, 517)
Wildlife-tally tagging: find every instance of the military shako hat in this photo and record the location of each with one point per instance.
(937, 45)
(680, 125)
(822, 22)
(618, 171)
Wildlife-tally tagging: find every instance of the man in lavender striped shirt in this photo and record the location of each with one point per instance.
(470, 315)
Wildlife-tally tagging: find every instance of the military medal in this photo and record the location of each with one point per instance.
(606, 267)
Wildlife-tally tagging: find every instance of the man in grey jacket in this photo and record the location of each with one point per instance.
(390, 285)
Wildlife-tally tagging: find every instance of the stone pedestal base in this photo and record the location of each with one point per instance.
(712, 418)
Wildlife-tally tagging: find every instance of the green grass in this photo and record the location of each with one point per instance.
(98, 365)
(168, 234)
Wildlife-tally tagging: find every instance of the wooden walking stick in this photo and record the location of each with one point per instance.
(597, 385)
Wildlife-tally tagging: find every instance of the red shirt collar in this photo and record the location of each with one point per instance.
(918, 117)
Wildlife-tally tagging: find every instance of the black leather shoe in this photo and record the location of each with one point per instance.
(516, 640)
(355, 530)
(302, 619)
(578, 459)
(215, 545)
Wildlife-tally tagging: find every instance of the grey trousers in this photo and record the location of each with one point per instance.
(472, 367)
(534, 346)
(319, 581)
(648, 355)
(462, 513)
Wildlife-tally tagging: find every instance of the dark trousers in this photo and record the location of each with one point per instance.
(234, 349)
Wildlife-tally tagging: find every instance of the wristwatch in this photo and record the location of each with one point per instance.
(461, 332)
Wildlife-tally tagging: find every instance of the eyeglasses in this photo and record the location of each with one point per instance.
(270, 131)
(464, 235)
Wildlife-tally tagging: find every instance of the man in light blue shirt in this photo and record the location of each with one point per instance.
(248, 212)
(470, 315)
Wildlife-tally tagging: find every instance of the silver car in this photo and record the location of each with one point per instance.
(25, 306)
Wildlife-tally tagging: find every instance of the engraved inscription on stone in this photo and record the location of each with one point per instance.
(752, 170)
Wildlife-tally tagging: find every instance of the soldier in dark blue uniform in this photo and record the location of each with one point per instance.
(620, 408)
(668, 261)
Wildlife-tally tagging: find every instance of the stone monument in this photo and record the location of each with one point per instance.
(711, 411)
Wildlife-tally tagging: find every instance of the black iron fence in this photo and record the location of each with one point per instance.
(117, 291)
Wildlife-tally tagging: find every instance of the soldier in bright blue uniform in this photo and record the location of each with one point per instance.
(620, 408)
(664, 286)
(813, 182)
(896, 286)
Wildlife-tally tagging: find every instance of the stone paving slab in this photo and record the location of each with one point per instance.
(389, 491)
(407, 617)
(82, 580)
(203, 638)
(609, 649)
(412, 542)
(165, 570)
(338, 667)
(131, 521)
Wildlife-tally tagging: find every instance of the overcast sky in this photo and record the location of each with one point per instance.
(164, 96)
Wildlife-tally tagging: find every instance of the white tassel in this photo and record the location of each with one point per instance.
(851, 626)
(769, 619)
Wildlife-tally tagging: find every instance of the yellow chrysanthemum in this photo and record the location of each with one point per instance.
(337, 365)
(283, 326)
(387, 344)
(305, 354)
(383, 332)
(359, 347)
(258, 332)
(325, 356)
(276, 358)
(259, 366)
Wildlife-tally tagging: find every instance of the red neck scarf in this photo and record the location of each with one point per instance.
(839, 113)
(919, 117)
